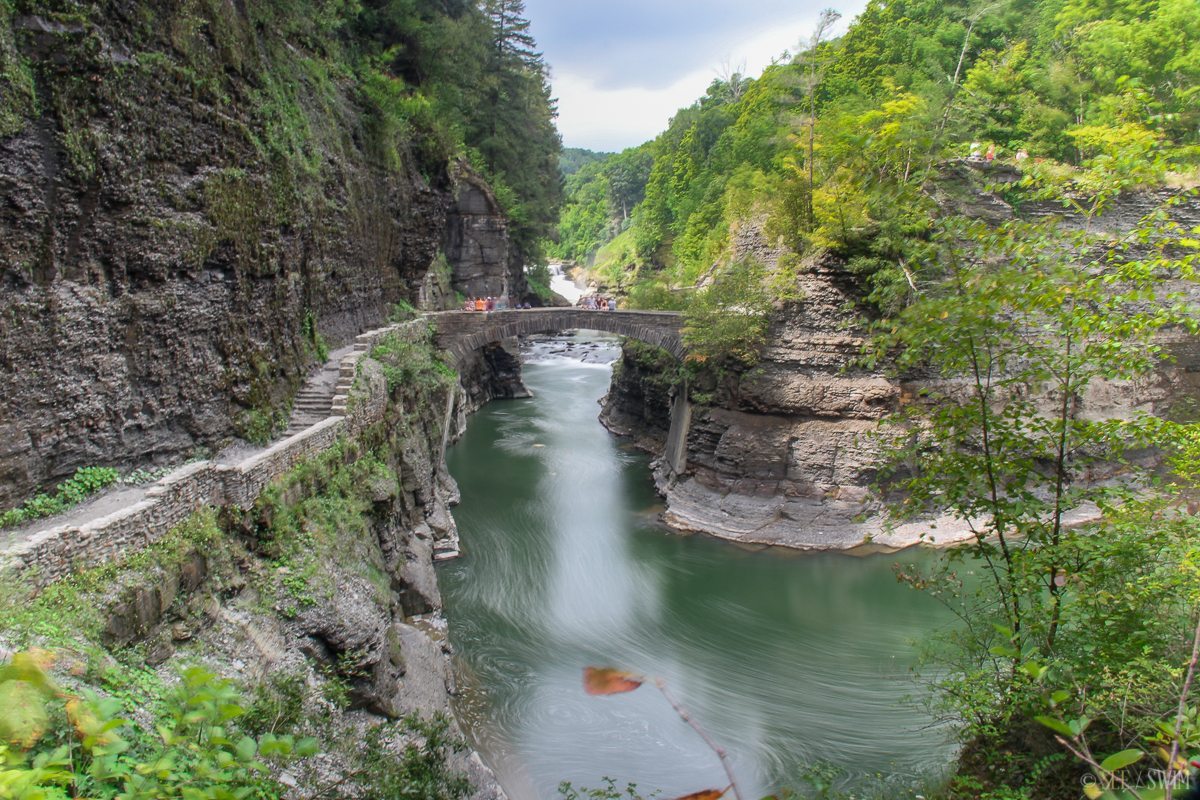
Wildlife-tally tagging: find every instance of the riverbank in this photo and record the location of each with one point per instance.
(791, 660)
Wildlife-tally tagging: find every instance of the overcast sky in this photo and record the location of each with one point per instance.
(621, 68)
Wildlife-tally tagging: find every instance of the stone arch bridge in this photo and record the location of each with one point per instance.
(462, 332)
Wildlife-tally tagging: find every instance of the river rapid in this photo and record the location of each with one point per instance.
(794, 662)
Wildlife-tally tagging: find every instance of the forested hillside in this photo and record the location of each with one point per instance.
(837, 148)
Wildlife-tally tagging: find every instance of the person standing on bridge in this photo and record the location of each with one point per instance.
(612, 304)
(480, 304)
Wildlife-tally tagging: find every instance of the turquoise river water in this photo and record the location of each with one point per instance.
(791, 661)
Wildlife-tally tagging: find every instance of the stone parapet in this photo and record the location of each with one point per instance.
(54, 553)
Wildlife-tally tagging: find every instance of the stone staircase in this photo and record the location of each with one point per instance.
(311, 406)
(315, 400)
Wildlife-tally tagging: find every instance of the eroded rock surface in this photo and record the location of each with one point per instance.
(785, 453)
(182, 211)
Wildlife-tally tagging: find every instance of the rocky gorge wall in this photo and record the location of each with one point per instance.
(315, 588)
(190, 198)
(776, 455)
(784, 453)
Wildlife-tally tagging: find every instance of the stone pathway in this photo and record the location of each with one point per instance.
(312, 405)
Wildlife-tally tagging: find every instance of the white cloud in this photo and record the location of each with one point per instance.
(613, 119)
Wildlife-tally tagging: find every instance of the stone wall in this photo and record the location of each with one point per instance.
(53, 553)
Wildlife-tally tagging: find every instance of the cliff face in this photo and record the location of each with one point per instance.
(785, 453)
(189, 199)
(778, 454)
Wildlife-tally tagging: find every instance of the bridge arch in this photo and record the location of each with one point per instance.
(461, 333)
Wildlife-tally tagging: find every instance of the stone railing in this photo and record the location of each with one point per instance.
(52, 553)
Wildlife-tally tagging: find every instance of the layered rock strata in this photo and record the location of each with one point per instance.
(189, 201)
(785, 453)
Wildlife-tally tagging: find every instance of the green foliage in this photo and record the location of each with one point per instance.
(573, 159)
(420, 769)
(728, 320)
(313, 337)
(68, 612)
(1028, 317)
(884, 109)
(61, 745)
(265, 413)
(336, 491)
(601, 195)
(412, 363)
(86, 482)
(276, 704)
(259, 426)
(16, 79)
(655, 294)
(607, 790)
(537, 277)
(403, 311)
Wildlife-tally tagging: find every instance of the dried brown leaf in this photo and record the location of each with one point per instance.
(606, 680)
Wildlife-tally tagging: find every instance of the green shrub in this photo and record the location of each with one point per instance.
(421, 770)
(728, 319)
(313, 338)
(412, 363)
(74, 490)
(56, 744)
(402, 311)
(259, 426)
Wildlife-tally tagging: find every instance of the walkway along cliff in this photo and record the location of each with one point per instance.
(308, 563)
(198, 199)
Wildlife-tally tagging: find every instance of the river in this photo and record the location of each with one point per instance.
(791, 661)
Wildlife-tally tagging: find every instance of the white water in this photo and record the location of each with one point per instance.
(563, 285)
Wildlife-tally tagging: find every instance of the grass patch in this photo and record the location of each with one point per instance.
(68, 613)
(319, 513)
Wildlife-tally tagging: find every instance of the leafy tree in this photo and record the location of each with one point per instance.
(1030, 317)
(727, 321)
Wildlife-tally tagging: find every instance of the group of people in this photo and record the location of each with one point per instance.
(591, 302)
(594, 302)
(976, 153)
(492, 304)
